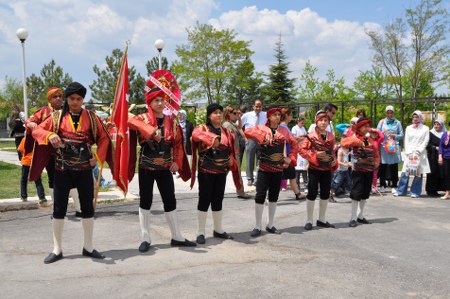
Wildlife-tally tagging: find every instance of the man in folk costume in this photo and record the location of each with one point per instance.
(318, 149)
(55, 102)
(366, 159)
(215, 146)
(273, 160)
(72, 132)
(162, 153)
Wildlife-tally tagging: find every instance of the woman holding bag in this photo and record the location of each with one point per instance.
(390, 148)
(416, 164)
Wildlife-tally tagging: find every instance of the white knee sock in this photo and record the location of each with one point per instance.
(259, 209)
(271, 213)
(144, 221)
(172, 220)
(309, 211)
(323, 209)
(76, 199)
(58, 227)
(201, 216)
(354, 209)
(88, 228)
(362, 203)
(217, 217)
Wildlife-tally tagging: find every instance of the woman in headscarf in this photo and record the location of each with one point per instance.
(444, 160)
(230, 117)
(435, 179)
(416, 164)
(393, 133)
(216, 156)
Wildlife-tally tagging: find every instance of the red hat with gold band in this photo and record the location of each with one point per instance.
(321, 114)
(53, 90)
(163, 84)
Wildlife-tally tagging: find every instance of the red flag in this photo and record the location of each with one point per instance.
(120, 118)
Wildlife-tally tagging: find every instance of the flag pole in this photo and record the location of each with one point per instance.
(97, 186)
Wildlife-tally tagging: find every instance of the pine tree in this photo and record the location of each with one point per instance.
(280, 88)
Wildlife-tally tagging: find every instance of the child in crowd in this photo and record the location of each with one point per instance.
(317, 148)
(301, 168)
(342, 182)
(365, 159)
(378, 138)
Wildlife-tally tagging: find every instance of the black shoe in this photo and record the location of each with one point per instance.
(324, 224)
(78, 214)
(245, 196)
(94, 254)
(364, 221)
(255, 233)
(223, 235)
(433, 194)
(332, 200)
(353, 223)
(185, 243)
(51, 258)
(308, 226)
(201, 239)
(273, 230)
(144, 247)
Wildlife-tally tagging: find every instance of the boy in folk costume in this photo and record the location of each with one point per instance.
(366, 159)
(162, 153)
(72, 132)
(216, 152)
(55, 102)
(273, 160)
(318, 149)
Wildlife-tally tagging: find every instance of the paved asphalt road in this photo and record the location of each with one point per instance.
(405, 253)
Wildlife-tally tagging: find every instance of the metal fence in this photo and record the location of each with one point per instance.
(375, 109)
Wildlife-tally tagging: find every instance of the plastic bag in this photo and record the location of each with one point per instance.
(390, 146)
(412, 165)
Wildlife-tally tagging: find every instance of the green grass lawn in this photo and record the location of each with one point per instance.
(10, 181)
(9, 146)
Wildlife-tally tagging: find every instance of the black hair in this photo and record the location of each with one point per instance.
(329, 107)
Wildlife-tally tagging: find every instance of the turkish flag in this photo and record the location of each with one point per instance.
(120, 118)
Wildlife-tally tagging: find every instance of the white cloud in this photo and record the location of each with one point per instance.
(79, 34)
(340, 45)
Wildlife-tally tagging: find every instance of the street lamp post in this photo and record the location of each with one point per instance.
(159, 45)
(22, 34)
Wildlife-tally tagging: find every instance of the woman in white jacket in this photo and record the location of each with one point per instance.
(416, 163)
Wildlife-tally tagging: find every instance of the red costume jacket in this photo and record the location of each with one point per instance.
(365, 157)
(142, 129)
(272, 156)
(85, 132)
(202, 141)
(314, 143)
(38, 117)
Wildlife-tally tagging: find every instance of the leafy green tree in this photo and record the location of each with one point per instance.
(279, 88)
(309, 88)
(425, 53)
(244, 84)
(11, 98)
(153, 64)
(208, 61)
(429, 27)
(104, 87)
(371, 85)
(50, 75)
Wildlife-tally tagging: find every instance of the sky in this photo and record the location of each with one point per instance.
(78, 34)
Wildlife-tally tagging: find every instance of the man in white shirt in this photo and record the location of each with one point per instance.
(331, 110)
(251, 119)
